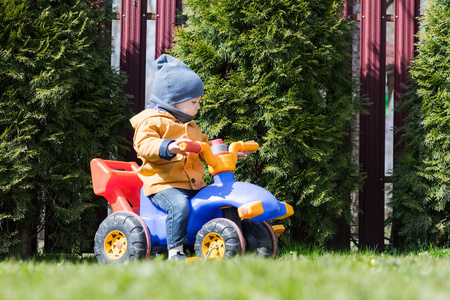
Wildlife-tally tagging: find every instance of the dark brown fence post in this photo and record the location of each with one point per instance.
(165, 24)
(406, 27)
(132, 56)
(372, 140)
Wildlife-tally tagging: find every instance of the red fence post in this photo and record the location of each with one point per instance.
(406, 27)
(132, 55)
(372, 139)
(165, 24)
(132, 49)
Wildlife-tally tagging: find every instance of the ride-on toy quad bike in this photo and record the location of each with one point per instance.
(226, 217)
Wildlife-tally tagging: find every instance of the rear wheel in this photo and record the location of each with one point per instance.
(122, 236)
(260, 238)
(219, 238)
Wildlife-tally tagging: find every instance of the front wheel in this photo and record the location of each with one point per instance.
(122, 236)
(219, 238)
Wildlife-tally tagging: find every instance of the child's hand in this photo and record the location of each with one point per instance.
(244, 154)
(174, 148)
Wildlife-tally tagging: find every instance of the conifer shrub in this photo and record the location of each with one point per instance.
(61, 104)
(420, 198)
(278, 72)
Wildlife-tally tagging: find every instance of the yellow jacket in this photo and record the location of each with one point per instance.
(152, 127)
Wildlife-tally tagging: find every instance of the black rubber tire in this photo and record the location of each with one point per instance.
(233, 239)
(136, 234)
(260, 239)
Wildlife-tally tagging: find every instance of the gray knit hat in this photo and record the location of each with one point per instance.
(174, 81)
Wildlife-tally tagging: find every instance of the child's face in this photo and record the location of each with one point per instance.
(189, 107)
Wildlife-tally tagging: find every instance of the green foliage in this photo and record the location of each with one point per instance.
(278, 72)
(61, 104)
(421, 199)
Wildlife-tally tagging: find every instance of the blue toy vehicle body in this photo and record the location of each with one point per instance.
(207, 204)
(220, 214)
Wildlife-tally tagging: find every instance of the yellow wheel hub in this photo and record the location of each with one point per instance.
(213, 246)
(115, 245)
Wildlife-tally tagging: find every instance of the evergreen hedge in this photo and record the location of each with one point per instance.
(421, 200)
(279, 72)
(61, 104)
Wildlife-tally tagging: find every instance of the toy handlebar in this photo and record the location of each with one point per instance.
(219, 161)
(195, 147)
(241, 146)
(235, 147)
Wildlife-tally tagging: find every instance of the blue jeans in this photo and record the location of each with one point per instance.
(176, 203)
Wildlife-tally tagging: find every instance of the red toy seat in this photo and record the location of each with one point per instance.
(118, 182)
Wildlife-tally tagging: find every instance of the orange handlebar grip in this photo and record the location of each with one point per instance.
(250, 146)
(190, 147)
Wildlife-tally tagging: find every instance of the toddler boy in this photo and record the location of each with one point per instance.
(170, 176)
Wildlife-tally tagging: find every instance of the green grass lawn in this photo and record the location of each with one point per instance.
(317, 275)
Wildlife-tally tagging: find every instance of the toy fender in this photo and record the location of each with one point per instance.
(227, 192)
